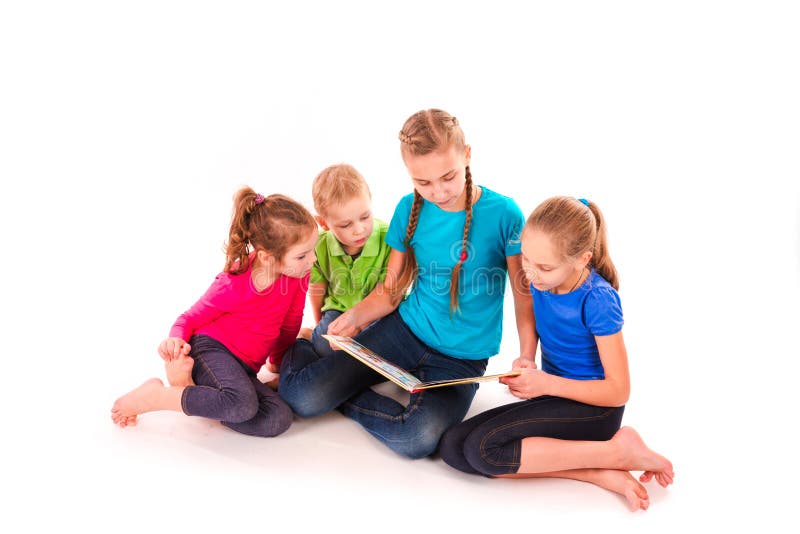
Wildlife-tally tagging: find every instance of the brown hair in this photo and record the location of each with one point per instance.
(336, 185)
(576, 228)
(274, 223)
(424, 132)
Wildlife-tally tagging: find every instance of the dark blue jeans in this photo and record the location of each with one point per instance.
(227, 390)
(491, 442)
(312, 385)
(321, 345)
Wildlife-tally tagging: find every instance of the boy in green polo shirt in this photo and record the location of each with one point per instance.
(351, 251)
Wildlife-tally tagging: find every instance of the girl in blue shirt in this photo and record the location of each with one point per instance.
(454, 243)
(568, 426)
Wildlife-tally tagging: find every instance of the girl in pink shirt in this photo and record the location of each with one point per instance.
(248, 317)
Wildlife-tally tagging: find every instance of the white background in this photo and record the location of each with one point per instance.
(125, 129)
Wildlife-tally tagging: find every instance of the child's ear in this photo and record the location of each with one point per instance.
(265, 257)
(321, 222)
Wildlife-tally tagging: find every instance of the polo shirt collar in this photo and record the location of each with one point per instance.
(371, 248)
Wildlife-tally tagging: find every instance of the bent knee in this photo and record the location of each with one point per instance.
(451, 451)
(418, 446)
(239, 406)
(278, 421)
(491, 459)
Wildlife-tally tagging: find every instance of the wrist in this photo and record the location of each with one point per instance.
(551, 385)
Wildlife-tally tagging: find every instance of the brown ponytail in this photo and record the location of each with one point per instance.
(601, 260)
(274, 223)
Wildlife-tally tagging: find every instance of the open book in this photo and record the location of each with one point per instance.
(400, 376)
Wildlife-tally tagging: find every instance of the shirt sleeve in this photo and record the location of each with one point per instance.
(291, 322)
(603, 312)
(396, 234)
(215, 302)
(512, 229)
(317, 270)
(385, 251)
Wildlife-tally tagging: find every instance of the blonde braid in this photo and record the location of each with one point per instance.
(410, 268)
(454, 277)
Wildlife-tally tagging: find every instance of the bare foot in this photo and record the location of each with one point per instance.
(179, 370)
(305, 333)
(136, 401)
(123, 420)
(625, 484)
(638, 457)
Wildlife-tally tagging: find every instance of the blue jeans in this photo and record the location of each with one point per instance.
(491, 442)
(313, 385)
(227, 390)
(321, 345)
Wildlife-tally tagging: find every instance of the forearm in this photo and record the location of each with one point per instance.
(523, 308)
(316, 297)
(604, 392)
(526, 329)
(374, 306)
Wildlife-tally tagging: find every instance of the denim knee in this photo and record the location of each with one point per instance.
(451, 450)
(413, 440)
(308, 396)
(416, 447)
(238, 406)
(489, 457)
(304, 402)
(277, 422)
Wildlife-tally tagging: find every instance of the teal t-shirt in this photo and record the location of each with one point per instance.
(350, 280)
(474, 332)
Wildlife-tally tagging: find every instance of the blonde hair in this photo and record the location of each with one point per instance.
(274, 223)
(576, 228)
(424, 132)
(336, 185)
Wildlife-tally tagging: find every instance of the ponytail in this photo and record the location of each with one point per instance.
(601, 260)
(237, 250)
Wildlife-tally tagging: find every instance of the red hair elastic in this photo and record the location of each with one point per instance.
(463, 256)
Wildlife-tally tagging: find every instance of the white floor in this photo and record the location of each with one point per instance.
(126, 130)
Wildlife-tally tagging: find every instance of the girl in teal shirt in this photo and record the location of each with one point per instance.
(453, 244)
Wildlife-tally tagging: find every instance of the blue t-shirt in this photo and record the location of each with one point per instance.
(474, 332)
(567, 324)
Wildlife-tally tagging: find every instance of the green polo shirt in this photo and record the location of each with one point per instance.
(349, 280)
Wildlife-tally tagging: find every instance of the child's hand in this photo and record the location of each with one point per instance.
(272, 368)
(173, 347)
(531, 383)
(345, 325)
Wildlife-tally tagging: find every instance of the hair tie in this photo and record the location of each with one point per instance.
(584, 202)
(463, 257)
(259, 199)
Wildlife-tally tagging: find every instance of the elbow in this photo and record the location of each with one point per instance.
(621, 396)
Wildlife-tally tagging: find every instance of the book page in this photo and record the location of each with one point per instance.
(396, 374)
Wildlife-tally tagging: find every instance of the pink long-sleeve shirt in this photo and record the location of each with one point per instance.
(254, 326)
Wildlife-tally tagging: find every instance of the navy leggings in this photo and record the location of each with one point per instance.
(227, 390)
(491, 442)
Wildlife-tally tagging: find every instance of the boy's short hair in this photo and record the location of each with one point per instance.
(336, 185)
